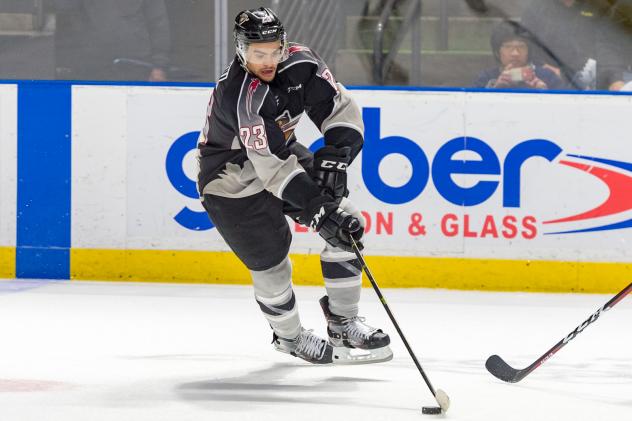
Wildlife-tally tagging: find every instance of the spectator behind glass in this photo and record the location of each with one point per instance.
(112, 39)
(568, 38)
(620, 19)
(515, 70)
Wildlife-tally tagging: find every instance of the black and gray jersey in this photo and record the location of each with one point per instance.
(246, 144)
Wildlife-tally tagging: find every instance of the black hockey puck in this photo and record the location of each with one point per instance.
(431, 410)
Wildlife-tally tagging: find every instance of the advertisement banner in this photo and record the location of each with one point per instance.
(442, 174)
(495, 175)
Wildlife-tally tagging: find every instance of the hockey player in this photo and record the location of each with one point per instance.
(253, 172)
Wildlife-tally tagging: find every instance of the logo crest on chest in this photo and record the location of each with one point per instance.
(287, 123)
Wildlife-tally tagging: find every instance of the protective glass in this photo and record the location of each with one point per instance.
(256, 54)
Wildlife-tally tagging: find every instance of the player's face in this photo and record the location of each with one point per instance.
(262, 59)
(514, 52)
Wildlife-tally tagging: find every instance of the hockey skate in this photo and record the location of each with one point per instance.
(306, 346)
(354, 341)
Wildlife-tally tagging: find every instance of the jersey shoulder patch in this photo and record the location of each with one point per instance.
(300, 54)
(297, 54)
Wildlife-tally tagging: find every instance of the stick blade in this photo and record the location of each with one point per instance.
(501, 370)
(443, 400)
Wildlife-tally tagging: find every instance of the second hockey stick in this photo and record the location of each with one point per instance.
(500, 369)
(440, 396)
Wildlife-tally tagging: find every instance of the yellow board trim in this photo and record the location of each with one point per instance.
(7, 262)
(389, 271)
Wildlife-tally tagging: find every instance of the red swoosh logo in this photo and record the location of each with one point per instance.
(619, 199)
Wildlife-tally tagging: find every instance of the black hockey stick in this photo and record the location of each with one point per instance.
(440, 396)
(499, 368)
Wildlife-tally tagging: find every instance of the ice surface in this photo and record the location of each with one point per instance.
(94, 351)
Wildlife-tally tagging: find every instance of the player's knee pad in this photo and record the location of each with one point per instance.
(272, 282)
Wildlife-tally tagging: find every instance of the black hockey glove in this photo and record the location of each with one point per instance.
(334, 224)
(330, 170)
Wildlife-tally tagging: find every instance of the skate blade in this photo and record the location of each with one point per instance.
(349, 356)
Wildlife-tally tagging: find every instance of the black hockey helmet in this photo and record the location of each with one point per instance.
(258, 25)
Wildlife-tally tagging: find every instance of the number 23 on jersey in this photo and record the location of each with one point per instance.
(254, 137)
